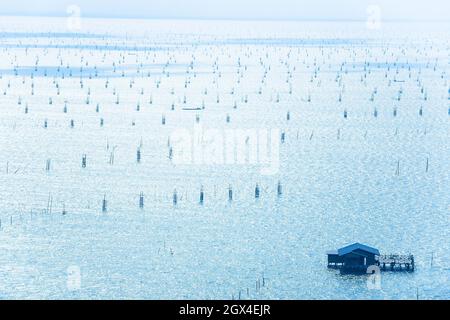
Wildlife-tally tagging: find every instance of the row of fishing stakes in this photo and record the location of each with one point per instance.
(202, 193)
(84, 160)
(201, 196)
(257, 193)
(230, 190)
(163, 118)
(228, 118)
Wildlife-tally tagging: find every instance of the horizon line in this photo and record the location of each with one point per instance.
(133, 17)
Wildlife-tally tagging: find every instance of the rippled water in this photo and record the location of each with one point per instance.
(356, 179)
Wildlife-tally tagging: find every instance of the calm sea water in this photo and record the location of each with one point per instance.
(381, 180)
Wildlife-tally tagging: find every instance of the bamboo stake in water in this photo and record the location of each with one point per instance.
(141, 200)
(104, 204)
(175, 197)
(279, 189)
(83, 161)
(202, 195)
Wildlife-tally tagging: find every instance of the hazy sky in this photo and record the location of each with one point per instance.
(234, 9)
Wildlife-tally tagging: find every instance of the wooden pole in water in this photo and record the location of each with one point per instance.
(49, 203)
(83, 161)
(279, 189)
(202, 195)
(141, 200)
(175, 198)
(138, 155)
(104, 204)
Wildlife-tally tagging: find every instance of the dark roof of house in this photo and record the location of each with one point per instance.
(352, 247)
